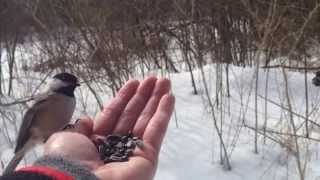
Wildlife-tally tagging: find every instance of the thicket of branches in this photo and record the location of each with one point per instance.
(114, 37)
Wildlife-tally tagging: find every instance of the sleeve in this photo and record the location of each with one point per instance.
(72, 168)
(52, 168)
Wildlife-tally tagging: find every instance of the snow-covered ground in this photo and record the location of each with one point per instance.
(191, 148)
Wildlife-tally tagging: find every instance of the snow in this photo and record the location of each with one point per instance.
(191, 147)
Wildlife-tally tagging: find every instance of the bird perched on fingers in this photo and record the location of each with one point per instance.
(50, 113)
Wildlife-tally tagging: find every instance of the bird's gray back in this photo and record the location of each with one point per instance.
(45, 117)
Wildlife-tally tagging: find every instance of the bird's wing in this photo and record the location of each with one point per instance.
(24, 131)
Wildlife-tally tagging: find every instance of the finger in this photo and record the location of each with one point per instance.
(133, 109)
(158, 124)
(106, 120)
(162, 87)
(84, 126)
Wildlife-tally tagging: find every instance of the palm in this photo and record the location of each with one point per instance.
(145, 110)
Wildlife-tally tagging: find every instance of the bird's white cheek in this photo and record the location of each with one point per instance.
(56, 84)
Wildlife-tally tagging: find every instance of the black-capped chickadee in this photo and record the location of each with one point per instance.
(50, 113)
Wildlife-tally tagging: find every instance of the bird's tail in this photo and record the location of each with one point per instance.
(13, 163)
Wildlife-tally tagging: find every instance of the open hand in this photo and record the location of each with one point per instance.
(142, 108)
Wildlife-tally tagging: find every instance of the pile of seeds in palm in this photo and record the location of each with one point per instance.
(118, 148)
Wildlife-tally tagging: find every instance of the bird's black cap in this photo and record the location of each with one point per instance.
(68, 78)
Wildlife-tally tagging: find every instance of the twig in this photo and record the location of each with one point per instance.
(282, 133)
(294, 113)
(291, 67)
(17, 102)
